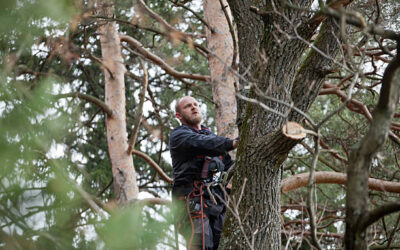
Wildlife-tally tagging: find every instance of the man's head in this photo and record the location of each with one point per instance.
(187, 111)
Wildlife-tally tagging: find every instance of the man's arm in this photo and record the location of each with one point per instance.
(185, 140)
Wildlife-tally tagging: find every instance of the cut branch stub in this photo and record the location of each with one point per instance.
(294, 131)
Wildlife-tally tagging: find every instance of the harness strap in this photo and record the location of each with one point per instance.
(197, 191)
(204, 171)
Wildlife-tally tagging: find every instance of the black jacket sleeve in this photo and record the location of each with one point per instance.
(187, 141)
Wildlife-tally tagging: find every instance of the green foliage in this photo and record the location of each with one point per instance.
(54, 151)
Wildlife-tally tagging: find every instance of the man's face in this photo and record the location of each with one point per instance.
(189, 113)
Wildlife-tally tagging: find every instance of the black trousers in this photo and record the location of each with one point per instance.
(192, 223)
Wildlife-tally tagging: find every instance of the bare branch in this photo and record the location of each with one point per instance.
(152, 201)
(377, 214)
(176, 3)
(173, 32)
(88, 98)
(310, 196)
(328, 177)
(140, 108)
(356, 20)
(160, 62)
(158, 169)
(320, 16)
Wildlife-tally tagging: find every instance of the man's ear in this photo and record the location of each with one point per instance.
(178, 115)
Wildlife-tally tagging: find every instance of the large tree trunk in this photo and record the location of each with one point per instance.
(124, 176)
(281, 72)
(220, 43)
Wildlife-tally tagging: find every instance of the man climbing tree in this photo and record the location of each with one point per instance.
(199, 159)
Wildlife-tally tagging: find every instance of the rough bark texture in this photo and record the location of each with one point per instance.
(220, 42)
(362, 156)
(124, 175)
(284, 73)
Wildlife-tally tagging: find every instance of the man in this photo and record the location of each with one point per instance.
(198, 158)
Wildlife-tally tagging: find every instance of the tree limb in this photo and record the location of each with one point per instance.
(152, 201)
(356, 20)
(173, 32)
(158, 169)
(377, 213)
(327, 177)
(88, 98)
(140, 109)
(157, 60)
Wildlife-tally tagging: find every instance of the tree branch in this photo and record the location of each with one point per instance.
(176, 3)
(157, 60)
(321, 16)
(152, 201)
(88, 98)
(356, 20)
(173, 32)
(140, 108)
(377, 213)
(158, 169)
(327, 177)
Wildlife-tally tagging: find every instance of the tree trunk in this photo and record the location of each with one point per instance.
(124, 175)
(280, 70)
(220, 43)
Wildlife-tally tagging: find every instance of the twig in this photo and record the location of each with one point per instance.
(160, 62)
(88, 98)
(310, 197)
(176, 3)
(139, 109)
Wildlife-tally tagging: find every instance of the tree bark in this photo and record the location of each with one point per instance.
(278, 67)
(220, 43)
(124, 175)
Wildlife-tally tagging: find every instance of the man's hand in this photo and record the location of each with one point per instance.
(235, 143)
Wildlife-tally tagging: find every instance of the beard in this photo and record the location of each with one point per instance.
(192, 120)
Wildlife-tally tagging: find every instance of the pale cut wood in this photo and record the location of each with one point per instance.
(294, 131)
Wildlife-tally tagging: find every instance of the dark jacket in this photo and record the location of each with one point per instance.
(188, 147)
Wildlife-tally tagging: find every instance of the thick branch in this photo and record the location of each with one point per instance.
(328, 177)
(360, 23)
(158, 169)
(377, 214)
(88, 98)
(152, 201)
(300, 232)
(157, 60)
(320, 16)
